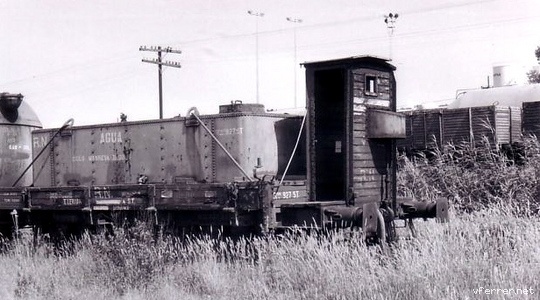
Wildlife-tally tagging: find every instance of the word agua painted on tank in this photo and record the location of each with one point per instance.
(110, 137)
(230, 131)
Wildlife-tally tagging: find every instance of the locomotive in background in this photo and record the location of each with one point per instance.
(241, 170)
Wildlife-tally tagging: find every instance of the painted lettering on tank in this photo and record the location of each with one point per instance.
(111, 137)
(98, 157)
(230, 131)
(80, 158)
(39, 142)
(18, 147)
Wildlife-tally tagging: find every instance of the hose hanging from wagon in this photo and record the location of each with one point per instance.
(67, 124)
(293, 152)
(193, 112)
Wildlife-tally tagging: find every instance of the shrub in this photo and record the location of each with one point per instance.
(475, 177)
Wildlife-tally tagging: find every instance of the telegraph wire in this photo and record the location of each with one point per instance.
(160, 63)
(122, 57)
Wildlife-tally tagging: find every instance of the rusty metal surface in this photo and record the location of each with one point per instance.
(370, 218)
(306, 214)
(121, 197)
(21, 114)
(192, 196)
(385, 124)
(65, 198)
(238, 106)
(12, 198)
(160, 150)
(17, 120)
(15, 154)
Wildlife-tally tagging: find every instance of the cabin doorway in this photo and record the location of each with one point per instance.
(330, 138)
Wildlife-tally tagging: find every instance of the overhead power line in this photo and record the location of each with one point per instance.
(158, 61)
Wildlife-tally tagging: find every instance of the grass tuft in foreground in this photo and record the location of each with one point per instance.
(487, 249)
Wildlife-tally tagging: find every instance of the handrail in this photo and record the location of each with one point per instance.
(293, 152)
(221, 145)
(67, 124)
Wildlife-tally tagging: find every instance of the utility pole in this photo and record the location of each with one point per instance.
(160, 64)
(257, 15)
(295, 21)
(390, 21)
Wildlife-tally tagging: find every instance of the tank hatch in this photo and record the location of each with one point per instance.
(239, 107)
(15, 111)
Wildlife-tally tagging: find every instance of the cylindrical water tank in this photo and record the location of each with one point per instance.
(17, 120)
(503, 75)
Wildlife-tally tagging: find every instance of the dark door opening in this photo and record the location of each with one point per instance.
(330, 145)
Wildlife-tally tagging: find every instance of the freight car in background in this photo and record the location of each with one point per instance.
(531, 118)
(241, 170)
(434, 128)
(501, 115)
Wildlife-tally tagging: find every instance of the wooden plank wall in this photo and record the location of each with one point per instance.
(438, 127)
(515, 123)
(433, 128)
(456, 125)
(369, 158)
(531, 118)
(406, 143)
(486, 123)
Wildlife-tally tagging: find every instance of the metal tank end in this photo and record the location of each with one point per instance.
(9, 105)
(10, 101)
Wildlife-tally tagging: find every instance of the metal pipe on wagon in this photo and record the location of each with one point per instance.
(67, 124)
(221, 145)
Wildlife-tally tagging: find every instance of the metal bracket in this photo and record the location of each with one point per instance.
(370, 219)
(192, 119)
(442, 210)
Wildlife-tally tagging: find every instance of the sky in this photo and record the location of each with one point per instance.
(81, 59)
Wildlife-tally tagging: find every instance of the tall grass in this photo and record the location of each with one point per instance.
(476, 177)
(445, 261)
(494, 246)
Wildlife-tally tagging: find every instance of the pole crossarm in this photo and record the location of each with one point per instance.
(159, 49)
(160, 63)
(167, 63)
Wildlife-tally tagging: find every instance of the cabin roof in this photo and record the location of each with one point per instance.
(352, 61)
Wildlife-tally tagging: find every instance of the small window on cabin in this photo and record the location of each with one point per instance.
(371, 85)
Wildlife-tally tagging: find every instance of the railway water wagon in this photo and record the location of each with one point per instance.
(241, 170)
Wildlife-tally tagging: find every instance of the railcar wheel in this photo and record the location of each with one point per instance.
(373, 224)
